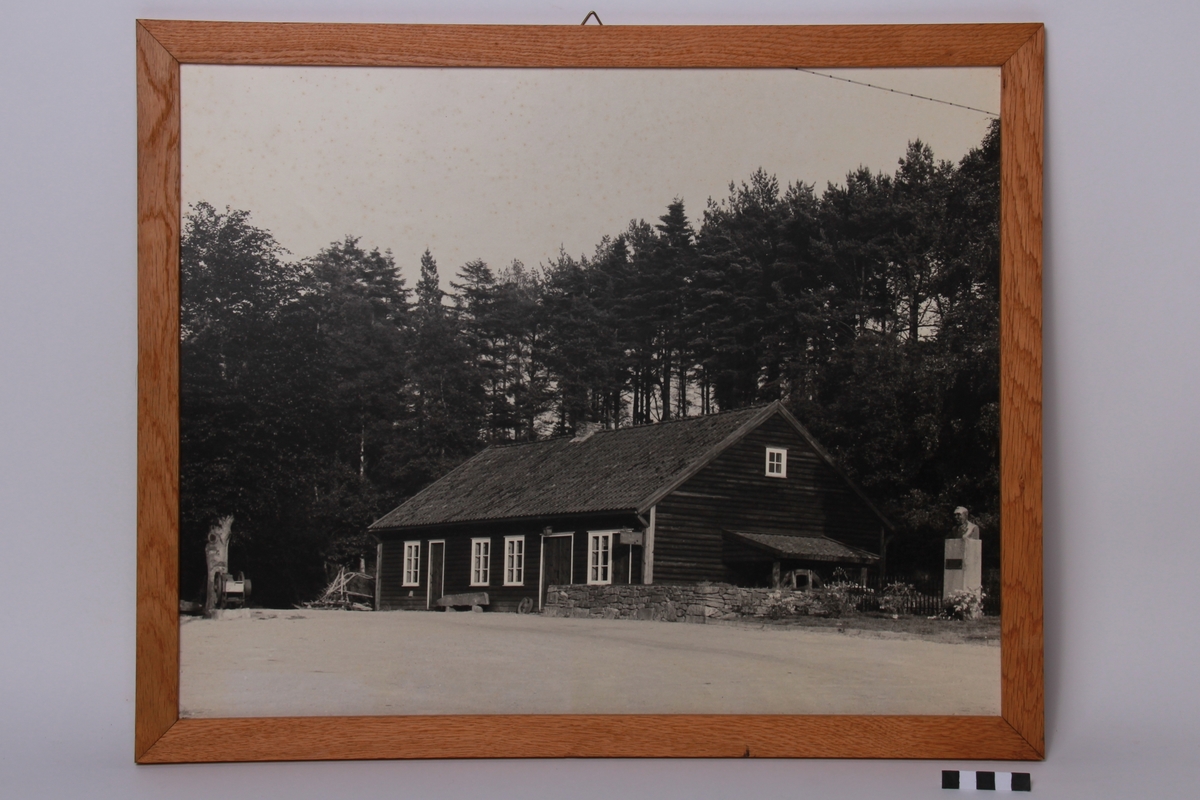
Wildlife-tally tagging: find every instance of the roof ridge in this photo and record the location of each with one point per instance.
(691, 419)
(640, 425)
(503, 479)
(506, 445)
(633, 427)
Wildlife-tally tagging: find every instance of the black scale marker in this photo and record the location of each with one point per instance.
(966, 781)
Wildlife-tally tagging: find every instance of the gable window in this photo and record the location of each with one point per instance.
(514, 560)
(412, 563)
(481, 558)
(776, 462)
(600, 557)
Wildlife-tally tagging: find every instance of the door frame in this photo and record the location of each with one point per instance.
(542, 564)
(429, 572)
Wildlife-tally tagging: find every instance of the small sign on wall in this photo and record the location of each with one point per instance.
(633, 537)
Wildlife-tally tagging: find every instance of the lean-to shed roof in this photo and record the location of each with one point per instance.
(808, 548)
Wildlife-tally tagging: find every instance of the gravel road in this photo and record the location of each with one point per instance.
(286, 663)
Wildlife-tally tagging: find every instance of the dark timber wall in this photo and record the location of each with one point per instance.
(393, 595)
(734, 493)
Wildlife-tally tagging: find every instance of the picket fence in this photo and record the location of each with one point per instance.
(926, 599)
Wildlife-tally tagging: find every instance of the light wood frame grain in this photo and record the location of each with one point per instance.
(161, 737)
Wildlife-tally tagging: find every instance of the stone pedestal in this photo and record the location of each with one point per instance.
(963, 566)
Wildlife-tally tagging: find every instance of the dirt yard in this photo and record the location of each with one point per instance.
(305, 662)
(952, 631)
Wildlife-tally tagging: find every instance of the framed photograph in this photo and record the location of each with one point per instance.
(522, 391)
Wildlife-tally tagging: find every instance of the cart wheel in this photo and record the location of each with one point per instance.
(525, 606)
(245, 589)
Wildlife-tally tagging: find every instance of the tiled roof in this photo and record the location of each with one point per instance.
(614, 470)
(811, 548)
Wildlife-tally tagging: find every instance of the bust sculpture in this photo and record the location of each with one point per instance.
(966, 528)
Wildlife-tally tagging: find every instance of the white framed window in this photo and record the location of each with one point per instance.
(776, 462)
(514, 560)
(600, 557)
(412, 563)
(481, 561)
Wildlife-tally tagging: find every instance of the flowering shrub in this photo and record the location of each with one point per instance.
(843, 597)
(896, 598)
(831, 600)
(963, 604)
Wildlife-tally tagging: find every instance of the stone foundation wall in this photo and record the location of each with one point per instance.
(670, 603)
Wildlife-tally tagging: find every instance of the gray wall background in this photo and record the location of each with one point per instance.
(1122, 436)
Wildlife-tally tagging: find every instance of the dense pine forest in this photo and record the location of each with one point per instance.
(318, 393)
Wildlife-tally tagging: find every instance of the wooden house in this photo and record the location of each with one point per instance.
(740, 497)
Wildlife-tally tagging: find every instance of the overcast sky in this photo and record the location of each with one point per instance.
(512, 164)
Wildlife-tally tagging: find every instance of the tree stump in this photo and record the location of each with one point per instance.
(216, 557)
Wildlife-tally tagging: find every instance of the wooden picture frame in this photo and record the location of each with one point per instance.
(162, 737)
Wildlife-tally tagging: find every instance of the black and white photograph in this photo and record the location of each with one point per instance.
(729, 325)
(531, 391)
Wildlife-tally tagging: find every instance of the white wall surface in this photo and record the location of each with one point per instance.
(1122, 432)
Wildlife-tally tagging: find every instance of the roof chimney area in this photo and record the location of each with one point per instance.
(584, 431)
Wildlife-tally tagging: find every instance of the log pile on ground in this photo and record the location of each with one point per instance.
(350, 591)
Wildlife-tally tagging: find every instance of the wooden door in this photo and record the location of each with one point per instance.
(437, 573)
(556, 562)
